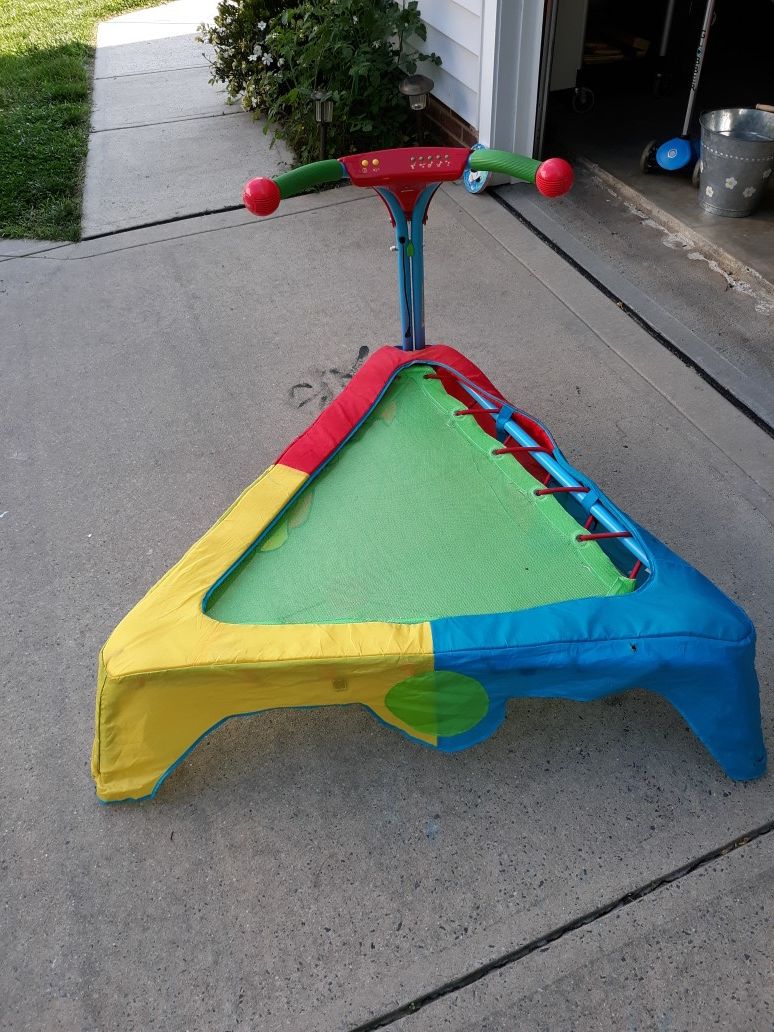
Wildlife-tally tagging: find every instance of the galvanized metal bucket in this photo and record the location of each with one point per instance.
(737, 158)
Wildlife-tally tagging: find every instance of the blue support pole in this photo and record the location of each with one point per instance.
(418, 217)
(403, 251)
(409, 246)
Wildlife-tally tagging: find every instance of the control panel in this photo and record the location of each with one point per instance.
(406, 166)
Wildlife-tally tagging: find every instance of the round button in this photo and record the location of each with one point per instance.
(375, 162)
(364, 163)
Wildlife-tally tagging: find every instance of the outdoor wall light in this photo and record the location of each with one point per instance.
(323, 115)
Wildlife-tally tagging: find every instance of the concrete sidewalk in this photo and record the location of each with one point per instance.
(312, 871)
(164, 143)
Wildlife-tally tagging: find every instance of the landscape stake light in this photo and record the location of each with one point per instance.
(417, 88)
(323, 115)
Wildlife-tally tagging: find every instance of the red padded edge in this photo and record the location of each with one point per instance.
(316, 444)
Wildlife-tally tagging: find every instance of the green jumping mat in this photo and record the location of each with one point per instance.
(415, 519)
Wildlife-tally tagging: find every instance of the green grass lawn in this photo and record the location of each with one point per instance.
(46, 50)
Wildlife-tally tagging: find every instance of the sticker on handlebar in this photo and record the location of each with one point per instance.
(406, 165)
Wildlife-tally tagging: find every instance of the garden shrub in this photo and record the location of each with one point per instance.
(359, 50)
(239, 28)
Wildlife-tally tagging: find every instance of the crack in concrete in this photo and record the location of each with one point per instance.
(513, 956)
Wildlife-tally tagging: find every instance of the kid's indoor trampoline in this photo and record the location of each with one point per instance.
(425, 550)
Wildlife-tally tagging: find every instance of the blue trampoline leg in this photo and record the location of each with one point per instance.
(721, 705)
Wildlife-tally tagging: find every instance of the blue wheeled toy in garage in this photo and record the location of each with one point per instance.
(681, 152)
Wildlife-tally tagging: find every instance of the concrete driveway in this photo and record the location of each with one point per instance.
(312, 871)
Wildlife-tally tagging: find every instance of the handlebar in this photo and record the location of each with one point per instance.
(408, 169)
(552, 177)
(298, 180)
(262, 196)
(515, 165)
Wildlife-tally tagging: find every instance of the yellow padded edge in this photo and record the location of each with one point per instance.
(169, 673)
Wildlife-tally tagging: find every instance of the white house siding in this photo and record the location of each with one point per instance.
(454, 32)
(491, 65)
(510, 71)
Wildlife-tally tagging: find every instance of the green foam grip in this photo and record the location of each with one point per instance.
(508, 164)
(300, 179)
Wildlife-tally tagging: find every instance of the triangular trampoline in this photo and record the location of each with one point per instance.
(425, 550)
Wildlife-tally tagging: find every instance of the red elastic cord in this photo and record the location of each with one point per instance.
(635, 570)
(603, 536)
(588, 522)
(474, 411)
(560, 490)
(520, 449)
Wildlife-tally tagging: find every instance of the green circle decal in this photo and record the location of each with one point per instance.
(439, 702)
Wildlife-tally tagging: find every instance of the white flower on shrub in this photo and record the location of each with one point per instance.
(709, 191)
(354, 19)
(261, 25)
(266, 59)
(731, 182)
(748, 191)
(281, 62)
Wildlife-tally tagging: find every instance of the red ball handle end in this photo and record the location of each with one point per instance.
(554, 177)
(261, 196)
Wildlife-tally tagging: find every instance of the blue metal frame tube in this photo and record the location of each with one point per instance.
(418, 217)
(564, 477)
(403, 255)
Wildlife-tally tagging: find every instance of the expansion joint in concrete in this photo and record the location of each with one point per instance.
(163, 222)
(146, 71)
(165, 121)
(542, 942)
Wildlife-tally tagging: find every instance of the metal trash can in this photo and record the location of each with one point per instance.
(737, 158)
